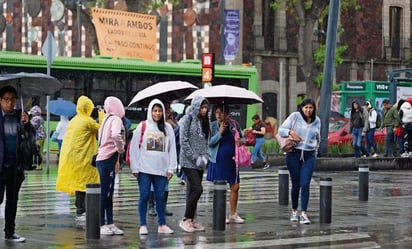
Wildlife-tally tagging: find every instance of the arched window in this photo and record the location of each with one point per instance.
(396, 28)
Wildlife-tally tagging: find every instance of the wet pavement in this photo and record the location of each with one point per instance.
(47, 218)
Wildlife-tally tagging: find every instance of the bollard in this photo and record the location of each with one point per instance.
(219, 205)
(363, 184)
(283, 188)
(93, 211)
(325, 201)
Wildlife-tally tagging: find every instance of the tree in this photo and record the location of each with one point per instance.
(308, 14)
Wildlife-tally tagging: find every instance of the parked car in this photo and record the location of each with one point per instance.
(339, 133)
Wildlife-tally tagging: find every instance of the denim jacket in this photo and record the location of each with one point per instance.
(216, 137)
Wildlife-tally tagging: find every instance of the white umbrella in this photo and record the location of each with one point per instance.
(226, 94)
(165, 91)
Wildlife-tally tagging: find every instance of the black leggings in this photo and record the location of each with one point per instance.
(194, 190)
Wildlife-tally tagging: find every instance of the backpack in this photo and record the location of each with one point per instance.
(127, 159)
(29, 150)
(378, 118)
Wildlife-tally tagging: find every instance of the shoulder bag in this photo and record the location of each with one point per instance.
(287, 144)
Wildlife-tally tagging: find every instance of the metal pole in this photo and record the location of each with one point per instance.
(363, 183)
(283, 188)
(93, 211)
(325, 201)
(328, 71)
(219, 205)
(281, 94)
(48, 137)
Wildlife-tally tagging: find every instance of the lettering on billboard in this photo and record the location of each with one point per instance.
(381, 87)
(354, 87)
(125, 34)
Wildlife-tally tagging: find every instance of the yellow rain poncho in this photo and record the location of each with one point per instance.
(79, 146)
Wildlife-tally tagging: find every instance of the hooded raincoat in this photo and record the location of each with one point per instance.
(78, 148)
(155, 153)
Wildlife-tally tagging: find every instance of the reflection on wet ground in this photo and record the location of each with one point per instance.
(46, 217)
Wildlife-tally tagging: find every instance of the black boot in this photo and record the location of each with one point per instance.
(167, 213)
(151, 211)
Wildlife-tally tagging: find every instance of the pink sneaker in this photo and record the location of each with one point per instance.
(187, 226)
(197, 226)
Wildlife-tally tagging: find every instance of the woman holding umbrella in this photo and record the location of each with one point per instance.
(222, 151)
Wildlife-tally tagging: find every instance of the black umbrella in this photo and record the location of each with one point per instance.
(31, 84)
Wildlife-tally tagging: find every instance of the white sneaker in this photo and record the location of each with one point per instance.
(375, 155)
(304, 219)
(164, 230)
(236, 219)
(143, 230)
(405, 154)
(81, 218)
(115, 229)
(294, 216)
(105, 230)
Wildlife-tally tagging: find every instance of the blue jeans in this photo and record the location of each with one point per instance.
(300, 172)
(159, 184)
(357, 142)
(107, 176)
(370, 140)
(256, 153)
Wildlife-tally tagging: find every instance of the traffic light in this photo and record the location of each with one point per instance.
(208, 67)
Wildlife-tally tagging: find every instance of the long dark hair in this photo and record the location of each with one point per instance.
(308, 102)
(204, 120)
(161, 122)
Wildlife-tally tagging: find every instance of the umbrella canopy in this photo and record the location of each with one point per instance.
(62, 107)
(165, 91)
(226, 94)
(31, 84)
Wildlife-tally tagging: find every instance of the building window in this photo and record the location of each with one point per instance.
(395, 19)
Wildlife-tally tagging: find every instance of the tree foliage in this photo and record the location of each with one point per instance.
(309, 13)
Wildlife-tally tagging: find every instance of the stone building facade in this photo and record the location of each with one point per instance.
(377, 35)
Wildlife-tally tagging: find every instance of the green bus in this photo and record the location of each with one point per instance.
(99, 77)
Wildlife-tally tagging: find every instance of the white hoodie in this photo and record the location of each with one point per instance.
(157, 153)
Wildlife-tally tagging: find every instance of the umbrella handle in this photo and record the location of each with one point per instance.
(21, 103)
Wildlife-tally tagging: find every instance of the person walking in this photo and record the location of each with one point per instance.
(405, 115)
(194, 156)
(222, 152)
(12, 123)
(61, 129)
(38, 123)
(152, 161)
(304, 127)
(399, 132)
(390, 121)
(358, 126)
(111, 144)
(258, 129)
(78, 148)
(370, 134)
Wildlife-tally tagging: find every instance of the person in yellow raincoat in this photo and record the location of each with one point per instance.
(78, 148)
